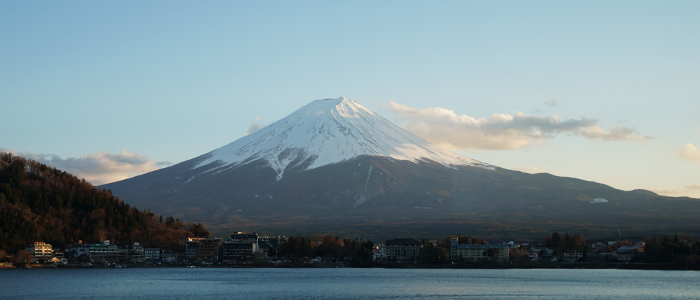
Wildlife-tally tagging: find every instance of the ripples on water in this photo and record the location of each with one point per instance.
(343, 283)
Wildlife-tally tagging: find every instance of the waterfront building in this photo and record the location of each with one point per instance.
(627, 253)
(402, 250)
(208, 250)
(123, 254)
(379, 252)
(152, 254)
(573, 256)
(166, 255)
(473, 252)
(191, 248)
(104, 251)
(136, 253)
(241, 247)
(40, 250)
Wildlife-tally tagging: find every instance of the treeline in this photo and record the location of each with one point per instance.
(325, 245)
(677, 250)
(42, 203)
(565, 243)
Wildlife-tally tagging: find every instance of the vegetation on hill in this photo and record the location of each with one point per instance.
(41, 203)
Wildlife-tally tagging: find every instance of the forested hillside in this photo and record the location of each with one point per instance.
(41, 203)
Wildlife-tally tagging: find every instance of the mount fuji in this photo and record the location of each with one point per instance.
(335, 166)
(326, 132)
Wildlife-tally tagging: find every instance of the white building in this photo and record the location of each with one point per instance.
(379, 252)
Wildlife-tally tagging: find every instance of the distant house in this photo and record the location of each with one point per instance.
(533, 256)
(166, 255)
(402, 250)
(573, 256)
(545, 252)
(627, 253)
(379, 252)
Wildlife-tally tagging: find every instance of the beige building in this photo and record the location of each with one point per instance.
(40, 250)
(473, 252)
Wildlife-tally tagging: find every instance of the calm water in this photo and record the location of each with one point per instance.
(345, 283)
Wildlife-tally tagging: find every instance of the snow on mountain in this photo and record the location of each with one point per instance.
(330, 131)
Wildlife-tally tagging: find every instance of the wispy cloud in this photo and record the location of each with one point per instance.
(692, 190)
(255, 126)
(689, 153)
(551, 102)
(98, 168)
(501, 131)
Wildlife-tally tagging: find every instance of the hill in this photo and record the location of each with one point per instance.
(40, 203)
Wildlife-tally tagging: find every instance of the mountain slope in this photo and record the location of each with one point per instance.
(335, 164)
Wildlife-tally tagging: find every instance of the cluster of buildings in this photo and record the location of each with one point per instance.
(408, 250)
(611, 250)
(241, 247)
(102, 252)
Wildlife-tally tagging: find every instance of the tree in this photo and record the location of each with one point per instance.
(556, 241)
(492, 253)
(22, 256)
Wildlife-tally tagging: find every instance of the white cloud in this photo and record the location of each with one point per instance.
(693, 187)
(255, 126)
(98, 168)
(692, 190)
(500, 131)
(689, 153)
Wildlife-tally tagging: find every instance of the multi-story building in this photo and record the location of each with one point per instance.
(136, 253)
(166, 255)
(123, 254)
(208, 250)
(379, 252)
(473, 252)
(77, 251)
(191, 248)
(104, 251)
(402, 250)
(152, 254)
(240, 247)
(40, 250)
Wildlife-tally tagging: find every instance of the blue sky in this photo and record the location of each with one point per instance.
(112, 89)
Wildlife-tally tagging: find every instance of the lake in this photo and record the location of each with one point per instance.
(346, 283)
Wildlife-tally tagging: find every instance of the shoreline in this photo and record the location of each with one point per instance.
(568, 266)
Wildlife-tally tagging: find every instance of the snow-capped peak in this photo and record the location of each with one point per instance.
(330, 131)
